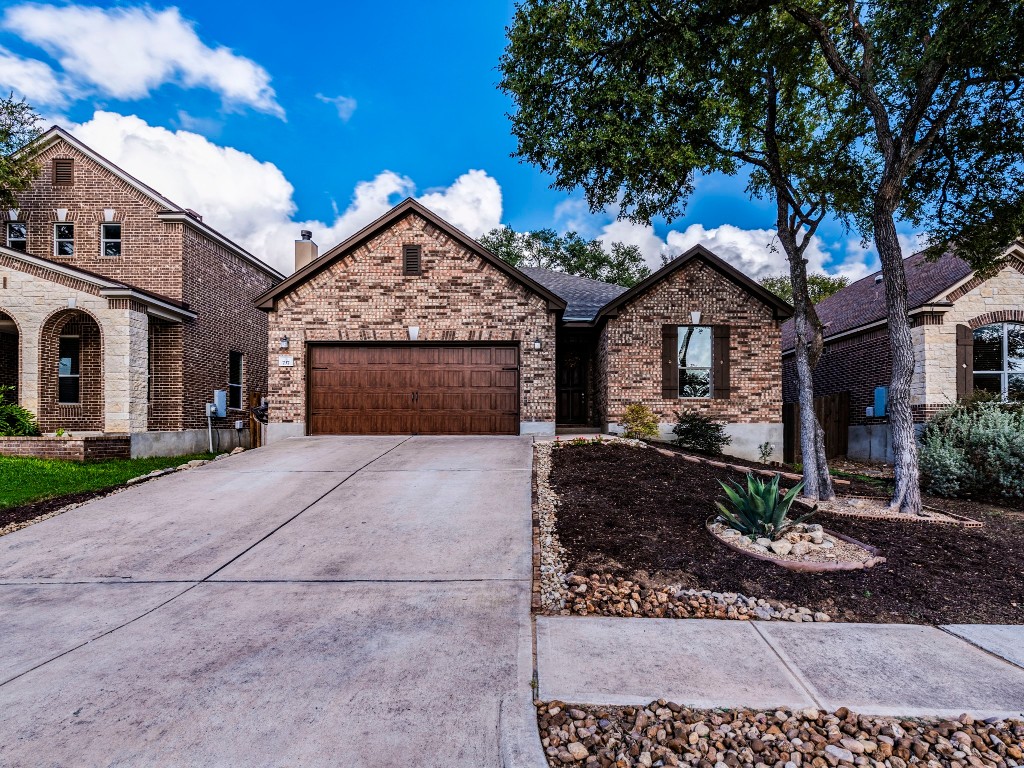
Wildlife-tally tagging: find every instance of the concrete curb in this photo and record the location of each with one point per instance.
(518, 738)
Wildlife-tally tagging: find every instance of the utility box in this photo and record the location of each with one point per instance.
(881, 402)
(220, 403)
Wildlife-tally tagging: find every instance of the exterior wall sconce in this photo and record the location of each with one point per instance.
(284, 342)
(695, 317)
(414, 332)
(537, 344)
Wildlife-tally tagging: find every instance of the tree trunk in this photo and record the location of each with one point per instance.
(809, 344)
(907, 493)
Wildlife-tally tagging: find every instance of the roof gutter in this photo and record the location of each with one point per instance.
(153, 305)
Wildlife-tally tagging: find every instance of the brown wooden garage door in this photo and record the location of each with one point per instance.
(414, 389)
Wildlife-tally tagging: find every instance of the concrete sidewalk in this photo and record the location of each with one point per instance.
(875, 669)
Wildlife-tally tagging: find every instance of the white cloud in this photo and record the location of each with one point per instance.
(253, 203)
(31, 79)
(126, 53)
(345, 105)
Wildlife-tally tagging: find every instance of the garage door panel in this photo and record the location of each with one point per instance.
(369, 389)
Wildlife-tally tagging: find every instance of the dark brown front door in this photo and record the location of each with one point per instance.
(572, 364)
(413, 389)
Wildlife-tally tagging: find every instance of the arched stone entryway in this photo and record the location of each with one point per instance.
(71, 373)
(10, 355)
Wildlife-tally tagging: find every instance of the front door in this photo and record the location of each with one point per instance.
(572, 366)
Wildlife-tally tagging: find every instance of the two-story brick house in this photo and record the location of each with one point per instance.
(121, 312)
(411, 326)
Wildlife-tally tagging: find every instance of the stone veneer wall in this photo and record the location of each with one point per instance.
(629, 349)
(459, 297)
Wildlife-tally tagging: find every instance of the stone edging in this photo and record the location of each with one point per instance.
(737, 467)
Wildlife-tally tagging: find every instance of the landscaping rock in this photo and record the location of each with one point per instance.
(237, 450)
(665, 734)
(781, 547)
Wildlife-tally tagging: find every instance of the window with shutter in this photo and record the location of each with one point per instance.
(411, 259)
(63, 171)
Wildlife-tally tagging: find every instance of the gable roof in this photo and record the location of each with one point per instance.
(863, 303)
(584, 297)
(406, 208)
(171, 211)
(780, 309)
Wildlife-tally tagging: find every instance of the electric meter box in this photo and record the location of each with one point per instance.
(220, 403)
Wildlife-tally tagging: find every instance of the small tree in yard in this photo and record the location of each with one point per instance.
(639, 422)
(628, 100)
(19, 125)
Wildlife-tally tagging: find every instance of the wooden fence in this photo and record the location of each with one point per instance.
(833, 412)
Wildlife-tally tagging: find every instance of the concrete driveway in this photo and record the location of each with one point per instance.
(351, 601)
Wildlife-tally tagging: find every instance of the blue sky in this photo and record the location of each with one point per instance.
(268, 118)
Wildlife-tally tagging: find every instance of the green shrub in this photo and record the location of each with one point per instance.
(15, 421)
(758, 510)
(974, 449)
(699, 433)
(639, 422)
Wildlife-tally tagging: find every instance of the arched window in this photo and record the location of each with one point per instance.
(999, 360)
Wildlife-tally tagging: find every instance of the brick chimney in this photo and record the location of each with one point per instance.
(305, 250)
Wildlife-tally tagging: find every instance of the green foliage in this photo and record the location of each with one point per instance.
(15, 421)
(24, 480)
(819, 286)
(570, 253)
(765, 451)
(19, 125)
(639, 422)
(974, 450)
(699, 433)
(758, 510)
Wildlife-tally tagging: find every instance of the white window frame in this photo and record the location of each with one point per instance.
(709, 368)
(7, 239)
(104, 240)
(1005, 373)
(57, 242)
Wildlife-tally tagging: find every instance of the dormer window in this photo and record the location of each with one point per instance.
(411, 259)
(63, 171)
(63, 239)
(110, 240)
(17, 235)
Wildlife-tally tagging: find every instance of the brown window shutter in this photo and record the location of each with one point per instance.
(670, 362)
(721, 383)
(964, 361)
(411, 259)
(63, 171)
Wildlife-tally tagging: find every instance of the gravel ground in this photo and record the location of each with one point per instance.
(665, 734)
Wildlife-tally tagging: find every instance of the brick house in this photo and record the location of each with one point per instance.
(121, 312)
(968, 334)
(411, 326)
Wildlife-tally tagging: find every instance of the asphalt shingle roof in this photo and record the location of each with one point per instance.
(863, 302)
(584, 297)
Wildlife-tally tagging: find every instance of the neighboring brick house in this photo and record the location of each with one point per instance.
(411, 326)
(968, 334)
(121, 312)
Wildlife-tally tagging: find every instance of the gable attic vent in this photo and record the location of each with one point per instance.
(63, 171)
(411, 259)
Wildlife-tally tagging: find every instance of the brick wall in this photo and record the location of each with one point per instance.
(88, 414)
(222, 288)
(90, 448)
(150, 248)
(856, 364)
(165, 386)
(629, 349)
(458, 297)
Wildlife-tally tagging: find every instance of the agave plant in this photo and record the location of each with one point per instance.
(758, 509)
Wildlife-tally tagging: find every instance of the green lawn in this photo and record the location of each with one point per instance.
(25, 480)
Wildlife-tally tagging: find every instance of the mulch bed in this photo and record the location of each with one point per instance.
(32, 510)
(639, 514)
